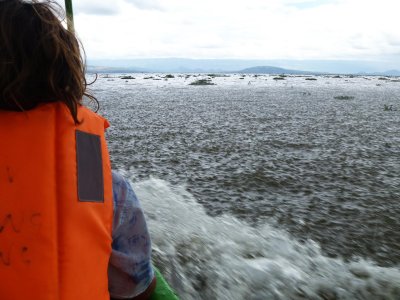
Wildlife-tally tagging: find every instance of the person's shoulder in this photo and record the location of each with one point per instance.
(119, 186)
(117, 178)
(123, 191)
(88, 113)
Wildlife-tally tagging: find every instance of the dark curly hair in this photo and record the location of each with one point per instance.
(40, 60)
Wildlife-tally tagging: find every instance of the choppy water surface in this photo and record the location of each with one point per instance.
(260, 184)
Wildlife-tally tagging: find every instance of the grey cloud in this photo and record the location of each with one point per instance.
(93, 7)
(393, 40)
(146, 4)
(96, 9)
(307, 4)
(211, 46)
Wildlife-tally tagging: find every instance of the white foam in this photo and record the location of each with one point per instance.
(206, 257)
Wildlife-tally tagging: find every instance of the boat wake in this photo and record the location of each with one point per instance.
(206, 257)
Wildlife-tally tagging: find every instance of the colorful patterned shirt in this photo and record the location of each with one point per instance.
(130, 271)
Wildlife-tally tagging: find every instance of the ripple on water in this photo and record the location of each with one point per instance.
(320, 167)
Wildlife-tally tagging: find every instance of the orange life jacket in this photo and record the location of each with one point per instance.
(55, 205)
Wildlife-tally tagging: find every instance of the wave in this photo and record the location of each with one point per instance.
(205, 257)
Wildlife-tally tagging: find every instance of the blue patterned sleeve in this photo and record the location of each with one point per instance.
(130, 271)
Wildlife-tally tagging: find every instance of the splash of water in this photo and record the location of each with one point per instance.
(206, 257)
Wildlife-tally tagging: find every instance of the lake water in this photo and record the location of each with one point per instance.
(256, 188)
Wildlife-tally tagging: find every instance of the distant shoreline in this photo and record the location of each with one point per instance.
(252, 66)
(252, 71)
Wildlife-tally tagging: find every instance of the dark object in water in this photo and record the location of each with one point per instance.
(202, 82)
(344, 97)
(389, 108)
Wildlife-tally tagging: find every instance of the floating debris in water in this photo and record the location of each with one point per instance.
(202, 82)
(344, 97)
(390, 107)
(217, 75)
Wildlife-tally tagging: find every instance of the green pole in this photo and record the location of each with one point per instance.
(70, 15)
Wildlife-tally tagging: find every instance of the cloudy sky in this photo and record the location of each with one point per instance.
(249, 29)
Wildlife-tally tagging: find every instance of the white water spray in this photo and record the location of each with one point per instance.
(206, 257)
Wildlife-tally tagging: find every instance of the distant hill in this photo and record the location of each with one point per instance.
(185, 65)
(390, 73)
(252, 70)
(275, 70)
(97, 69)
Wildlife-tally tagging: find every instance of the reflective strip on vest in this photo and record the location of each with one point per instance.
(90, 171)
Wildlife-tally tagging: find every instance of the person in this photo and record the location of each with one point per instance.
(70, 228)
